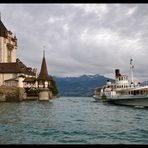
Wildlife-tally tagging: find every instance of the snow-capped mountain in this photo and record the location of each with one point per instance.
(79, 86)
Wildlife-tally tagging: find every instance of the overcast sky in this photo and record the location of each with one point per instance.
(81, 38)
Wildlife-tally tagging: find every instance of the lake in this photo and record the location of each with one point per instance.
(72, 120)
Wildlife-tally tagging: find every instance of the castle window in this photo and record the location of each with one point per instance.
(9, 50)
(9, 56)
(10, 46)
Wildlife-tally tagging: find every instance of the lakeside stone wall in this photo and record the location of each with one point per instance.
(11, 94)
(17, 94)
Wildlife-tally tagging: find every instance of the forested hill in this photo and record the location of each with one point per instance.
(79, 86)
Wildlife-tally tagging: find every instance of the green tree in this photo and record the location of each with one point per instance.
(54, 87)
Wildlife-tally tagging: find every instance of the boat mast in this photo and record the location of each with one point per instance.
(131, 69)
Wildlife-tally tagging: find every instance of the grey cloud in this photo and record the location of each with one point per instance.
(79, 39)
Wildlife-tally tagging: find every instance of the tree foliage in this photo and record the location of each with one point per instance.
(54, 87)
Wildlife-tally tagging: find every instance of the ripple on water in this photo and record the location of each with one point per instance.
(72, 120)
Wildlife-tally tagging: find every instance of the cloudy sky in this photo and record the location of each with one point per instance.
(81, 38)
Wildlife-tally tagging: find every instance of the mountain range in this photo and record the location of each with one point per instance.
(79, 86)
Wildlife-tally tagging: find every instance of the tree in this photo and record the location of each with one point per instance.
(54, 88)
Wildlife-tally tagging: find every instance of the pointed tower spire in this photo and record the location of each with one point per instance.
(43, 51)
(44, 82)
(43, 75)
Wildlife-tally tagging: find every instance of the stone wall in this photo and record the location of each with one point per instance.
(8, 93)
(17, 94)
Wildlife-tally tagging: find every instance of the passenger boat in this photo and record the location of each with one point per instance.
(123, 91)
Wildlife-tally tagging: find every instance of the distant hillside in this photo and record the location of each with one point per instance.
(79, 86)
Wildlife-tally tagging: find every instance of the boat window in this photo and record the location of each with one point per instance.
(141, 92)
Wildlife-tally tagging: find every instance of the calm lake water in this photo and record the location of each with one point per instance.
(72, 120)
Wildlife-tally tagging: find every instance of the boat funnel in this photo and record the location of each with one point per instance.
(117, 73)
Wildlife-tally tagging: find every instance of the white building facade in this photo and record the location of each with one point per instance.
(12, 71)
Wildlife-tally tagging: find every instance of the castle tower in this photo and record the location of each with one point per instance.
(12, 70)
(8, 45)
(44, 82)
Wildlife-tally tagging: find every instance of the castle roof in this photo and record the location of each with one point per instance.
(3, 30)
(16, 67)
(29, 79)
(43, 75)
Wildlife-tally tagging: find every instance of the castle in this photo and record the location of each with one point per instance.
(14, 73)
(12, 70)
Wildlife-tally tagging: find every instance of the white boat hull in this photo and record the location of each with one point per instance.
(136, 101)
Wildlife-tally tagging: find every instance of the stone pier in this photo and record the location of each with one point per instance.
(11, 94)
(43, 94)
